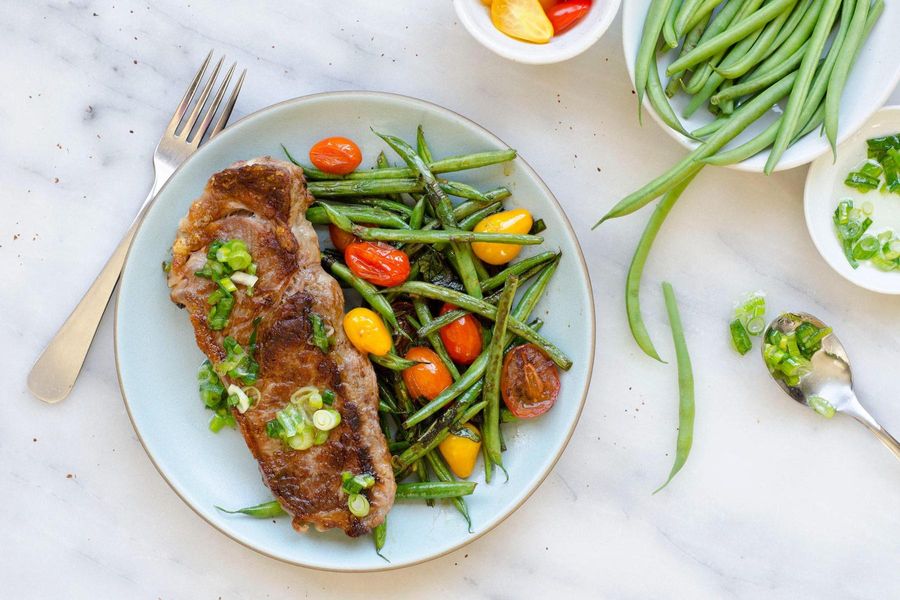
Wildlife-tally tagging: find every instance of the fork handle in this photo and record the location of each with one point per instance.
(55, 371)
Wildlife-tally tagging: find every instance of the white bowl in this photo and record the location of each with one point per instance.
(874, 76)
(825, 187)
(476, 17)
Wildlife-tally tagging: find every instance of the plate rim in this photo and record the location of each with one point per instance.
(262, 113)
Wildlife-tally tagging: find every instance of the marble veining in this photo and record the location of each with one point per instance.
(774, 502)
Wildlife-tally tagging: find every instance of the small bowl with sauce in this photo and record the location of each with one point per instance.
(827, 187)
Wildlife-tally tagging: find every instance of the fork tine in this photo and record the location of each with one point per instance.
(188, 95)
(204, 94)
(226, 112)
(213, 107)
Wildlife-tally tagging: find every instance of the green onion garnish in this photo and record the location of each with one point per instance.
(326, 419)
(740, 338)
(320, 336)
(358, 505)
(821, 406)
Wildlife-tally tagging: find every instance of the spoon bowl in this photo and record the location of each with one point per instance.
(828, 379)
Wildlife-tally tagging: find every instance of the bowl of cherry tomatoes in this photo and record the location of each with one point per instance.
(537, 31)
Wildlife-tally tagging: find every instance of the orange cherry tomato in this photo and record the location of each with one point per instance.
(340, 239)
(529, 381)
(429, 378)
(377, 263)
(566, 14)
(335, 155)
(462, 337)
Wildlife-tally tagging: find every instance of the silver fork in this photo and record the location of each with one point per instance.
(55, 371)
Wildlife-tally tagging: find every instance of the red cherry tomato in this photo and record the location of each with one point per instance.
(529, 381)
(462, 337)
(427, 379)
(335, 155)
(377, 263)
(340, 239)
(566, 14)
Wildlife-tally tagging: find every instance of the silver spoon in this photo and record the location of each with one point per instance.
(829, 378)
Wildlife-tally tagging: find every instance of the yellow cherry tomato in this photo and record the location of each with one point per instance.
(367, 332)
(509, 221)
(461, 449)
(522, 19)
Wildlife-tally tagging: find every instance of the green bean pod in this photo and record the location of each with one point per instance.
(855, 36)
(425, 319)
(636, 270)
(685, 387)
(266, 510)
(653, 24)
(491, 425)
(800, 90)
(442, 472)
(357, 214)
(434, 490)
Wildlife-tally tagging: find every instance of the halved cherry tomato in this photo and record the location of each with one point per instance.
(377, 263)
(529, 381)
(462, 337)
(340, 239)
(428, 378)
(522, 19)
(335, 155)
(566, 14)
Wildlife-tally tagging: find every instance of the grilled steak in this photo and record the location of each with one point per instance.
(263, 202)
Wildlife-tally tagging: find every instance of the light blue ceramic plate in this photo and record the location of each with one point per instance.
(157, 357)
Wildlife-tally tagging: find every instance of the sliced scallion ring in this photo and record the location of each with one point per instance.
(326, 419)
(242, 401)
(756, 326)
(358, 505)
(245, 279)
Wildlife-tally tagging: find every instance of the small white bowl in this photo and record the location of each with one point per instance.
(825, 187)
(476, 17)
(874, 76)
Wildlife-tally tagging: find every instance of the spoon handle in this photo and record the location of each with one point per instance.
(859, 413)
(886, 438)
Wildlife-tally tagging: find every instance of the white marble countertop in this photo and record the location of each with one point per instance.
(774, 501)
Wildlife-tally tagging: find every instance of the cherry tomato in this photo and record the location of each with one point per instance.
(335, 155)
(517, 220)
(340, 239)
(529, 381)
(566, 14)
(522, 19)
(460, 450)
(366, 331)
(377, 263)
(462, 337)
(427, 379)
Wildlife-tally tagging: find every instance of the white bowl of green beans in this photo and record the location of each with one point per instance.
(727, 54)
